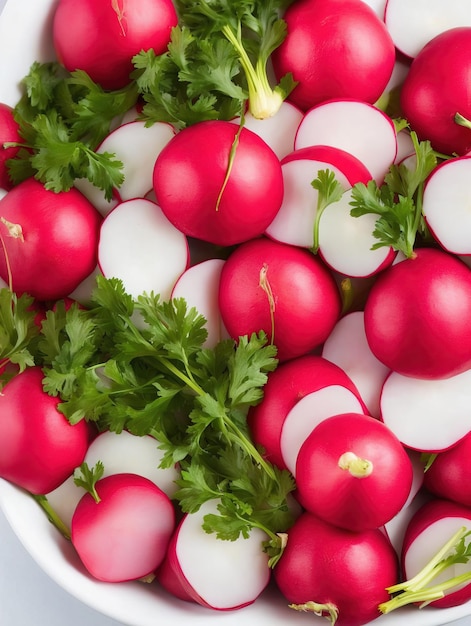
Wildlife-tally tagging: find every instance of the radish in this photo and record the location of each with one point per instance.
(142, 248)
(353, 472)
(85, 35)
(285, 388)
(122, 533)
(412, 25)
(9, 132)
(52, 248)
(347, 347)
(434, 560)
(445, 205)
(222, 575)
(416, 316)
(396, 528)
(137, 147)
(207, 182)
(331, 571)
(282, 290)
(354, 126)
(436, 90)
(448, 475)
(40, 447)
(334, 49)
(296, 221)
(199, 286)
(378, 6)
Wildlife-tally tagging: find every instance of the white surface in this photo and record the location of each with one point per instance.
(28, 596)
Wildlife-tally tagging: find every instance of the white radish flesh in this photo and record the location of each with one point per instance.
(345, 242)
(137, 146)
(413, 24)
(96, 196)
(142, 248)
(354, 126)
(427, 415)
(446, 205)
(199, 286)
(308, 413)
(378, 7)
(348, 348)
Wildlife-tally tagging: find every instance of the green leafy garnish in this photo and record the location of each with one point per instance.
(18, 331)
(87, 477)
(329, 190)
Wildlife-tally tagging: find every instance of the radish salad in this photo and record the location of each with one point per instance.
(234, 341)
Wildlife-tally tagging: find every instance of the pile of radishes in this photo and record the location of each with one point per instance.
(366, 393)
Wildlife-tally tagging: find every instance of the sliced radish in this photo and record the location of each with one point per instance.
(199, 286)
(405, 146)
(413, 24)
(96, 196)
(346, 242)
(427, 415)
(396, 528)
(294, 222)
(309, 412)
(83, 292)
(218, 574)
(446, 205)
(354, 126)
(137, 146)
(142, 248)
(348, 348)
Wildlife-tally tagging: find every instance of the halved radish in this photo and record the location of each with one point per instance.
(413, 24)
(199, 286)
(285, 388)
(427, 415)
(445, 205)
(354, 126)
(137, 146)
(142, 248)
(218, 574)
(295, 221)
(347, 347)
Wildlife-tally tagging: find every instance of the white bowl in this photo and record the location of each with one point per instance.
(24, 38)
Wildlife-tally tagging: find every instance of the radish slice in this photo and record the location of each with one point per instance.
(95, 196)
(83, 292)
(142, 248)
(137, 146)
(308, 413)
(354, 126)
(218, 574)
(396, 528)
(279, 130)
(427, 415)
(348, 348)
(345, 242)
(294, 222)
(199, 286)
(405, 147)
(413, 24)
(446, 205)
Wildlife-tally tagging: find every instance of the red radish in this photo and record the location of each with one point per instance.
(437, 523)
(142, 248)
(222, 575)
(199, 286)
(285, 388)
(416, 316)
(334, 572)
(50, 239)
(430, 415)
(412, 26)
(279, 130)
(334, 49)
(84, 35)
(353, 472)
(295, 222)
(137, 147)
(436, 89)
(281, 289)
(445, 205)
(125, 535)
(223, 200)
(40, 447)
(347, 347)
(449, 474)
(8, 133)
(354, 126)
